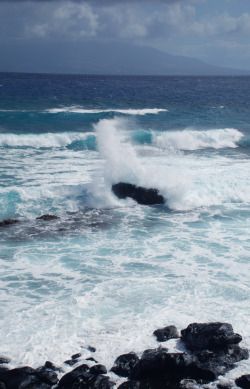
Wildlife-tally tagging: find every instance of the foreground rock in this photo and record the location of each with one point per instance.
(199, 336)
(243, 381)
(142, 195)
(7, 222)
(26, 377)
(124, 364)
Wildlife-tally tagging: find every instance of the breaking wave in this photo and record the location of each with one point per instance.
(75, 109)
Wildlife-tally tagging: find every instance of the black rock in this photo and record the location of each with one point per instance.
(98, 369)
(99, 382)
(124, 364)
(171, 367)
(48, 217)
(243, 381)
(132, 384)
(166, 333)
(4, 359)
(91, 359)
(50, 366)
(220, 361)
(200, 336)
(7, 222)
(47, 376)
(75, 356)
(142, 195)
(2, 385)
(80, 373)
(19, 378)
(71, 362)
(92, 349)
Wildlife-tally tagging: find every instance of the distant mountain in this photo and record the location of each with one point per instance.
(99, 58)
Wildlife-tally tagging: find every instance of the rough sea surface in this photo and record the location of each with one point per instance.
(109, 271)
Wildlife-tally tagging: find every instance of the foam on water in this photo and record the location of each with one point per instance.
(80, 110)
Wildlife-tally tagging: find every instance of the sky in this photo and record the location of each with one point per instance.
(214, 31)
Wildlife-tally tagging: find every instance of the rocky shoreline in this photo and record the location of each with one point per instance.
(211, 350)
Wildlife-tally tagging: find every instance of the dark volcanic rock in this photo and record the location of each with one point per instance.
(98, 369)
(50, 366)
(166, 333)
(47, 376)
(75, 356)
(124, 364)
(71, 362)
(19, 378)
(92, 349)
(141, 195)
(4, 359)
(99, 382)
(47, 217)
(200, 336)
(171, 367)
(79, 374)
(7, 222)
(243, 381)
(2, 385)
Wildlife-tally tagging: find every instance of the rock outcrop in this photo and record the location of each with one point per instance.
(142, 195)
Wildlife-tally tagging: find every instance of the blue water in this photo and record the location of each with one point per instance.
(109, 271)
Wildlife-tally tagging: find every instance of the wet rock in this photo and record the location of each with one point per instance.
(75, 356)
(2, 385)
(50, 366)
(47, 217)
(19, 378)
(71, 362)
(124, 364)
(200, 336)
(130, 385)
(166, 333)
(91, 359)
(220, 361)
(4, 359)
(145, 196)
(79, 374)
(170, 367)
(99, 382)
(7, 222)
(98, 369)
(92, 349)
(243, 381)
(47, 376)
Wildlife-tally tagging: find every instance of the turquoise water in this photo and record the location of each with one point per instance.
(109, 271)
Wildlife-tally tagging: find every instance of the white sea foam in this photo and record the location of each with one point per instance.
(80, 110)
(41, 140)
(195, 140)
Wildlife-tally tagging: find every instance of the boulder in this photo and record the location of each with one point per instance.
(243, 381)
(98, 369)
(142, 195)
(166, 333)
(79, 374)
(4, 359)
(48, 217)
(19, 378)
(7, 222)
(200, 336)
(124, 364)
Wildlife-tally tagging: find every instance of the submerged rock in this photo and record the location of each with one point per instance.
(142, 195)
(166, 333)
(48, 217)
(200, 336)
(7, 222)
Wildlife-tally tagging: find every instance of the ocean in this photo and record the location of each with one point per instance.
(109, 272)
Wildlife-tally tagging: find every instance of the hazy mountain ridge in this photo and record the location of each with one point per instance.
(99, 58)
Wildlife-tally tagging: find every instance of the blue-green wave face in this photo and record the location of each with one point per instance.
(109, 271)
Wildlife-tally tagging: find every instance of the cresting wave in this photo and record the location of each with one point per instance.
(197, 140)
(48, 140)
(80, 110)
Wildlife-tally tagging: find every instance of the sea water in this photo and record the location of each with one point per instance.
(109, 272)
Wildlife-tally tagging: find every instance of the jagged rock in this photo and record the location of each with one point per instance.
(4, 359)
(7, 222)
(80, 373)
(48, 217)
(200, 336)
(166, 333)
(91, 359)
(71, 362)
(98, 369)
(220, 361)
(47, 376)
(243, 381)
(124, 364)
(170, 367)
(50, 366)
(145, 196)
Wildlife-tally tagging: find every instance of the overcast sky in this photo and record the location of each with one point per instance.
(215, 31)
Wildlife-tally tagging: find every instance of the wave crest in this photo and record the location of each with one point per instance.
(79, 110)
